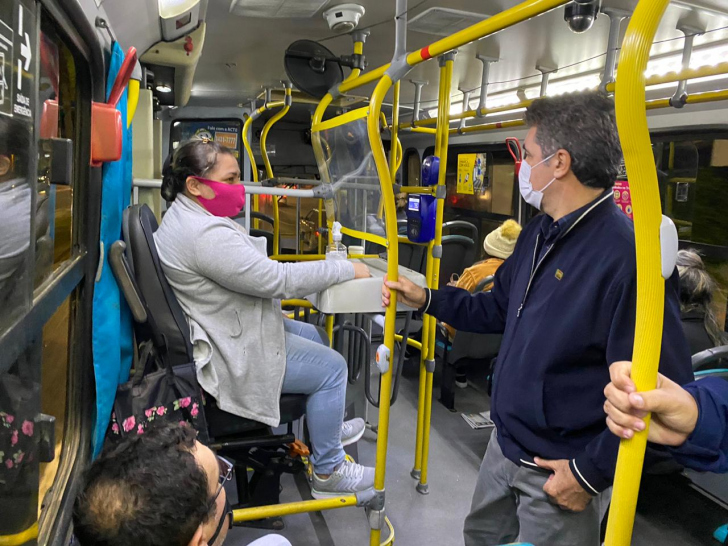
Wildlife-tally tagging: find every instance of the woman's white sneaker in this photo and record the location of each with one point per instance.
(352, 431)
(347, 479)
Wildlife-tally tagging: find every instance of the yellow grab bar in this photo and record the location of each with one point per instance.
(269, 170)
(263, 512)
(31, 533)
(390, 218)
(503, 20)
(637, 148)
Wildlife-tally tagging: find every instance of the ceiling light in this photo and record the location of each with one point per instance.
(162, 88)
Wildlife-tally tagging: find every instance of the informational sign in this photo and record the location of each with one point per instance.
(623, 198)
(23, 62)
(223, 132)
(229, 140)
(17, 59)
(471, 173)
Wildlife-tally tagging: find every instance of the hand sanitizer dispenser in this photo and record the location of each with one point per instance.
(422, 209)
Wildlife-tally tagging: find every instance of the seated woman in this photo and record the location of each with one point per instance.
(246, 353)
(498, 246)
(696, 295)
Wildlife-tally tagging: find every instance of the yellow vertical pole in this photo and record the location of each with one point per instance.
(249, 150)
(320, 225)
(330, 329)
(393, 163)
(635, 139)
(444, 93)
(390, 316)
(269, 170)
(443, 128)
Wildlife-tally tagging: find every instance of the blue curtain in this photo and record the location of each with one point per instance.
(112, 322)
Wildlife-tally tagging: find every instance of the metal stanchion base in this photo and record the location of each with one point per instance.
(415, 474)
(423, 489)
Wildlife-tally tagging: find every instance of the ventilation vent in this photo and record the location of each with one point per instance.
(272, 9)
(444, 21)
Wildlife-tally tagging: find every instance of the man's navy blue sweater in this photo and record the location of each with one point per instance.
(565, 302)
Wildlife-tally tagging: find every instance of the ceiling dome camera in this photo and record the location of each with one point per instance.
(581, 14)
(344, 18)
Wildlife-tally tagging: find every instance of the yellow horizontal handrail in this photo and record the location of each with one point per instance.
(297, 257)
(697, 98)
(420, 190)
(31, 533)
(411, 342)
(286, 509)
(488, 126)
(376, 239)
(474, 113)
(496, 23)
(339, 120)
(296, 303)
(688, 74)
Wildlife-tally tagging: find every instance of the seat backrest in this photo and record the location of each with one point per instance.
(167, 322)
(457, 253)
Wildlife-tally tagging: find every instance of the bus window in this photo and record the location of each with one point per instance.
(414, 168)
(693, 174)
(56, 94)
(54, 230)
(493, 197)
(15, 219)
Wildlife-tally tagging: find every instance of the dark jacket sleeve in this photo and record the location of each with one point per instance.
(706, 449)
(483, 313)
(594, 467)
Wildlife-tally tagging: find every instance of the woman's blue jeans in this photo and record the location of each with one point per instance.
(314, 369)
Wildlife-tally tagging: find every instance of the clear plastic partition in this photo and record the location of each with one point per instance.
(346, 163)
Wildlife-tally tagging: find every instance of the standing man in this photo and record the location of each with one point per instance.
(565, 303)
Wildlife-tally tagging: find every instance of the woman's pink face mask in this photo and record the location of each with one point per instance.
(229, 198)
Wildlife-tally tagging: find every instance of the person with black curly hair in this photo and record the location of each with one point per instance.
(162, 488)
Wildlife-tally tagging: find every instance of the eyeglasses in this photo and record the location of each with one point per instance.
(226, 474)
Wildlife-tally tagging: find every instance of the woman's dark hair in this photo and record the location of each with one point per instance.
(696, 291)
(195, 157)
(583, 124)
(147, 490)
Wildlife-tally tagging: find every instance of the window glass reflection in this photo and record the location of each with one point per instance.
(15, 219)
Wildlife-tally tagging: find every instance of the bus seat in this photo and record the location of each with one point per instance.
(466, 348)
(457, 255)
(255, 232)
(249, 443)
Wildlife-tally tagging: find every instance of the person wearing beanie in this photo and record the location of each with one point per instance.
(498, 246)
(500, 242)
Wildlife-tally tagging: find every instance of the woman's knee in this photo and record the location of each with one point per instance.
(339, 369)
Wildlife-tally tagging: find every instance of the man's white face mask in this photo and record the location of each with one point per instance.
(531, 196)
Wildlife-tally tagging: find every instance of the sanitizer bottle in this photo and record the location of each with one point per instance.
(336, 250)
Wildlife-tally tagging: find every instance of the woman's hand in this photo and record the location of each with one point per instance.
(361, 271)
(407, 292)
(674, 410)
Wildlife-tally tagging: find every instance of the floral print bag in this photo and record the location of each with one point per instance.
(157, 392)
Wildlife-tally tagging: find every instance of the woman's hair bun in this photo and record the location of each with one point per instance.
(195, 157)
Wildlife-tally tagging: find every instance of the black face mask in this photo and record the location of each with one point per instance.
(227, 511)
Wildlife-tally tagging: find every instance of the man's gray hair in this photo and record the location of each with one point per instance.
(584, 125)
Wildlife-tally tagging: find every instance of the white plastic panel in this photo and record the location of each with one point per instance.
(362, 295)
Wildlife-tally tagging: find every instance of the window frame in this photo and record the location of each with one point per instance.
(75, 278)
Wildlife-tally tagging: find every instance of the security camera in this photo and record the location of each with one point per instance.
(581, 14)
(344, 18)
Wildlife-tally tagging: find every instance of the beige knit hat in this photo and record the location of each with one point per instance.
(500, 242)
